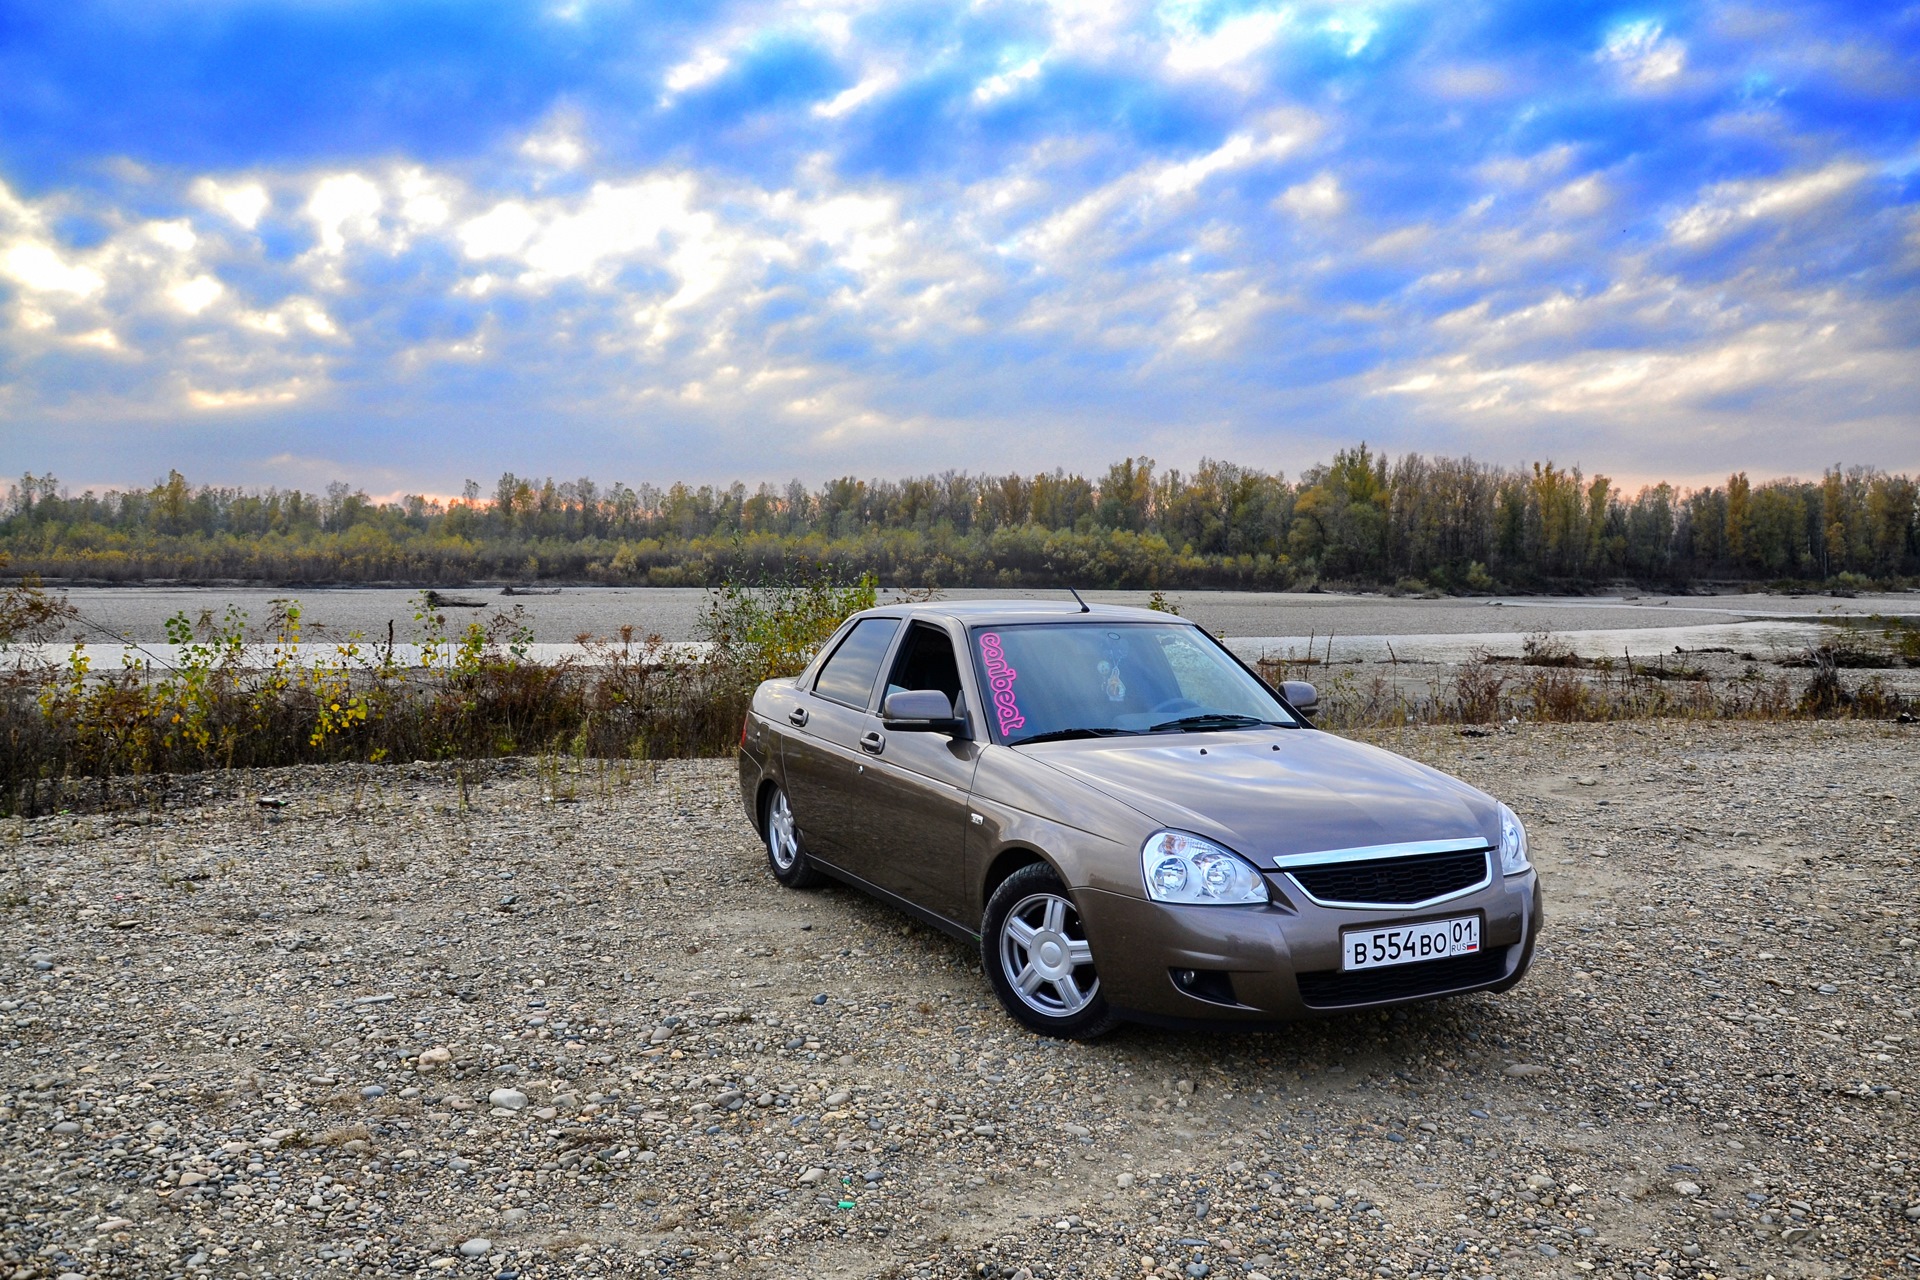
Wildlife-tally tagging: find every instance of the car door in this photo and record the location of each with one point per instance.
(821, 753)
(913, 828)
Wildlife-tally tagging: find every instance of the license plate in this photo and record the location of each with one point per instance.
(1409, 943)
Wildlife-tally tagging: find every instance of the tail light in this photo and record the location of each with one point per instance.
(747, 720)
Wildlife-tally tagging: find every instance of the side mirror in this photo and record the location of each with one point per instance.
(920, 711)
(1302, 696)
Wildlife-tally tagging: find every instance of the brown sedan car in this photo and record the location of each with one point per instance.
(1130, 823)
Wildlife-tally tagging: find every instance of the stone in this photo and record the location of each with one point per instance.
(67, 1126)
(813, 1175)
(433, 1059)
(478, 1247)
(821, 998)
(514, 1217)
(1913, 1211)
(838, 1097)
(373, 1091)
(192, 1178)
(507, 1099)
(1685, 1188)
(1540, 1182)
(460, 1164)
(1522, 1070)
(115, 1224)
(1124, 1181)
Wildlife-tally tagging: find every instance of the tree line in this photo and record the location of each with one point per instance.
(1414, 522)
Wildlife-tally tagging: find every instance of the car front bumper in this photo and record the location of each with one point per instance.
(1282, 962)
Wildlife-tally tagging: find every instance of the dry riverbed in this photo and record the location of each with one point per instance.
(548, 1023)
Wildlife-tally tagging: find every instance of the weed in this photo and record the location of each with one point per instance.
(238, 697)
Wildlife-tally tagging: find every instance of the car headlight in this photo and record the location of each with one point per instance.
(1187, 869)
(1513, 844)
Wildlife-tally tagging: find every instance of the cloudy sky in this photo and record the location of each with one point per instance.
(407, 243)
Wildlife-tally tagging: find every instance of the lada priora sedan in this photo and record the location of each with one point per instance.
(1130, 822)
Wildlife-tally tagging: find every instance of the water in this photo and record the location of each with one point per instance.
(120, 621)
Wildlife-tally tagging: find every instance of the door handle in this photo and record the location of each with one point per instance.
(797, 717)
(872, 743)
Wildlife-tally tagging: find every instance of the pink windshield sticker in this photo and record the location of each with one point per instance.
(1000, 679)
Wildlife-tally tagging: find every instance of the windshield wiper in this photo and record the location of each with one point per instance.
(1213, 720)
(1062, 735)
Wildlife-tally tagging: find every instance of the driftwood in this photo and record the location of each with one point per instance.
(437, 601)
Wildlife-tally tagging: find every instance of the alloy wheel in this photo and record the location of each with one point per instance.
(1046, 957)
(782, 844)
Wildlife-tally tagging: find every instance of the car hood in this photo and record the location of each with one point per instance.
(1269, 794)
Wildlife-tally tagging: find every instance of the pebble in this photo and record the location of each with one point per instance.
(948, 1118)
(478, 1247)
(1522, 1070)
(1685, 1188)
(507, 1099)
(373, 1091)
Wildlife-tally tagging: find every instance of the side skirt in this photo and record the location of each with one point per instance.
(935, 919)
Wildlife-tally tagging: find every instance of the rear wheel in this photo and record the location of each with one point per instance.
(786, 857)
(1039, 960)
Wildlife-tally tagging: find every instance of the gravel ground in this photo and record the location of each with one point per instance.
(553, 1023)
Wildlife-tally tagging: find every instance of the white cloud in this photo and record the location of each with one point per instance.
(1223, 49)
(559, 146)
(500, 232)
(1729, 204)
(1007, 82)
(849, 100)
(1580, 198)
(1320, 197)
(425, 201)
(344, 204)
(704, 67)
(244, 202)
(1645, 57)
(196, 295)
(36, 266)
(176, 235)
(247, 397)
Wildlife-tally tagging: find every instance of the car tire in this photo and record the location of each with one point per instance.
(1038, 958)
(786, 854)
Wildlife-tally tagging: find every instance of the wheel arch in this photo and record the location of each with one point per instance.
(761, 799)
(1005, 863)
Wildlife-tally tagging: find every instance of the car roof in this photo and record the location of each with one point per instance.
(1007, 612)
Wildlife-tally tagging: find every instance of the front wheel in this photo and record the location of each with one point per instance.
(1039, 960)
(786, 857)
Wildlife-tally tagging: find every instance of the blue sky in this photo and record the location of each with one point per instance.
(405, 244)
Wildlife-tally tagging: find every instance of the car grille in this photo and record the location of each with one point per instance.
(1394, 882)
(1333, 989)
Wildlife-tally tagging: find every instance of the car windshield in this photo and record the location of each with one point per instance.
(1087, 679)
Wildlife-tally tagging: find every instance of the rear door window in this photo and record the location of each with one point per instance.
(849, 674)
